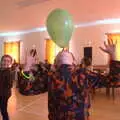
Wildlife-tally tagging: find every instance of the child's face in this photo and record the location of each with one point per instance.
(6, 62)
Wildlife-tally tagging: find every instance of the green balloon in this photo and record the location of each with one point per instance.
(60, 27)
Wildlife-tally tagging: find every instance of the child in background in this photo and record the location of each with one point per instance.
(5, 84)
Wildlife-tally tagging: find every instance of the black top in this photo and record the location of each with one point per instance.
(5, 82)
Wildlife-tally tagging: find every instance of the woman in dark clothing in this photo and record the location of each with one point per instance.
(68, 97)
(5, 84)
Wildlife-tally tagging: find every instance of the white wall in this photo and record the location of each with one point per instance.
(37, 39)
(96, 36)
(91, 36)
(14, 18)
(27, 42)
(82, 37)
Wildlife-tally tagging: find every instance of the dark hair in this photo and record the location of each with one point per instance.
(87, 61)
(4, 56)
(33, 52)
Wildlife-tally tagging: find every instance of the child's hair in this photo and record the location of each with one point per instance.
(87, 61)
(4, 56)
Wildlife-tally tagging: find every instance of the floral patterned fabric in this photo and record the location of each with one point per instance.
(68, 92)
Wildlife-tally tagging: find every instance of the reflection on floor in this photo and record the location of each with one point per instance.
(35, 107)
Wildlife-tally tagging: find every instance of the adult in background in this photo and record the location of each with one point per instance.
(30, 60)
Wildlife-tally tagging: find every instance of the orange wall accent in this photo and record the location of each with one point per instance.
(115, 39)
(13, 49)
(51, 51)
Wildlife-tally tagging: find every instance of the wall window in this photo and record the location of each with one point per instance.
(51, 50)
(12, 49)
(115, 38)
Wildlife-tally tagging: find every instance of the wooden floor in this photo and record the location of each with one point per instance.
(35, 107)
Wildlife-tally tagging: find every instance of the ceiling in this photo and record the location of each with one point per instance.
(27, 14)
